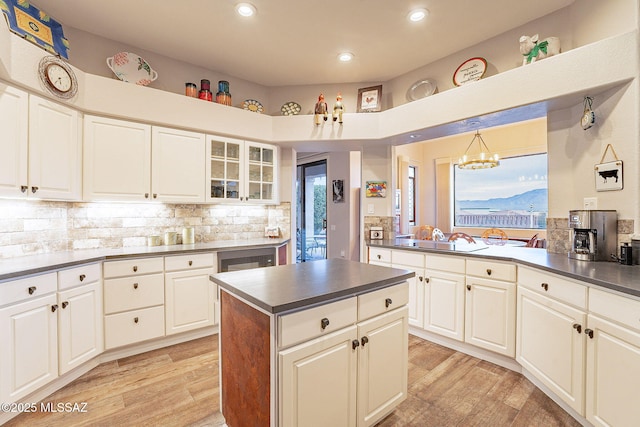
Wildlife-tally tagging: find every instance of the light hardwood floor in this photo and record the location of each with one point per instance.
(178, 386)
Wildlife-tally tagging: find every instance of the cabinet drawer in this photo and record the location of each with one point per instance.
(554, 286)
(77, 276)
(185, 262)
(133, 326)
(130, 267)
(307, 324)
(411, 259)
(615, 307)
(30, 287)
(379, 255)
(451, 264)
(128, 293)
(377, 302)
(492, 270)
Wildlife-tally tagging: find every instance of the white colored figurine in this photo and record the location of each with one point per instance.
(533, 49)
(338, 109)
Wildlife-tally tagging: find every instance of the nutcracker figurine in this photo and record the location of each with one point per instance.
(321, 110)
(338, 109)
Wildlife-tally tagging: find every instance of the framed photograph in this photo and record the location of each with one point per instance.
(338, 191)
(370, 99)
(609, 176)
(376, 189)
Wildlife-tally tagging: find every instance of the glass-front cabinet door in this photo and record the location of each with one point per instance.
(225, 168)
(241, 171)
(261, 172)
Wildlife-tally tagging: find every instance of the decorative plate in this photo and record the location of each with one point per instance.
(131, 68)
(290, 108)
(469, 71)
(421, 89)
(252, 105)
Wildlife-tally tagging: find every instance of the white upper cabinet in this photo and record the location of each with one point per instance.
(14, 106)
(117, 160)
(241, 170)
(55, 150)
(127, 161)
(40, 146)
(260, 172)
(177, 165)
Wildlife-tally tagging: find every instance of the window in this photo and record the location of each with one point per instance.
(411, 203)
(512, 195)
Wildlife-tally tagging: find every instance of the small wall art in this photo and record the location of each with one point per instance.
(338, 191)
(370, 99)
(609, 175)
(376, 189)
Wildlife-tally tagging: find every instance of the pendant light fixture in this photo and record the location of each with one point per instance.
(480, 160)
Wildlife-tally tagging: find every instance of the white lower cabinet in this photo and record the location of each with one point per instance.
(490, 306)
(350, 377)
(382, 365)
(80, 316)
(444, 296)
(133, 301)
(309, 396)
(413, 261)
(550, 342)
(190, 297)
(613, 359)
(29, 331)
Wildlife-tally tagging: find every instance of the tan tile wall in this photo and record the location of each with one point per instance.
(33, 227)
(386, 222)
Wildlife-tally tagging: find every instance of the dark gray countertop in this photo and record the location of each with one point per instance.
(287, 287)
(11, 268)
(610, 275)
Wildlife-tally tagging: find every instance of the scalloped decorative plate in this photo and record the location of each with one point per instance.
(252, 105)
(290, 108)
(131, 68)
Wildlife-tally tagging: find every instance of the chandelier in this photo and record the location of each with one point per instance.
(482, 160)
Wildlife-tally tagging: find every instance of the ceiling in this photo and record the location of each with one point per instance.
(296, 42)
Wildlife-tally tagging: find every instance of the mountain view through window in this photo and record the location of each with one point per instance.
(512, 195)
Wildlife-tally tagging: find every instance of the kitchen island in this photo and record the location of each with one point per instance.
(322, 342)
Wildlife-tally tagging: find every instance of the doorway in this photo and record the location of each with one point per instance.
(311, 220)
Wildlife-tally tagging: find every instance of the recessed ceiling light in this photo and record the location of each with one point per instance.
(418, 15)
(245, 9)
(345, 56)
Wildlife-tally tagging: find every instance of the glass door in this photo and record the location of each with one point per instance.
(225, 168)
(311, 221)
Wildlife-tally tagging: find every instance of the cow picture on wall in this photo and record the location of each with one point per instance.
(609, 176)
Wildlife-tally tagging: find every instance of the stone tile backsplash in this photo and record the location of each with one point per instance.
(33, 227)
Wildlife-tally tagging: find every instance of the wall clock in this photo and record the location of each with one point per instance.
(58, 77)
